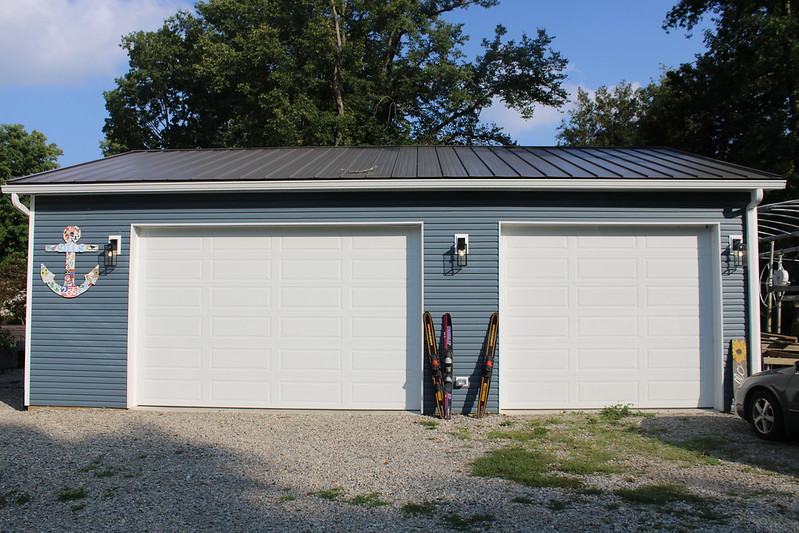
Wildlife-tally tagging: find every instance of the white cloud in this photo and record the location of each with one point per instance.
(68, 42)
(545, 120)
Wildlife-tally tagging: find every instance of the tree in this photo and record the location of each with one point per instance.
(740, 100)
(240, 73)
(609, 118)
(21, 153)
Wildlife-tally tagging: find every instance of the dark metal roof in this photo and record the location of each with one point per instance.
(407, 162)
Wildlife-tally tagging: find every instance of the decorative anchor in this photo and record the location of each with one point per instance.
(70, 247)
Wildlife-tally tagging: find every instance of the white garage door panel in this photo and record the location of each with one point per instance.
(279, 317)
(595, 316)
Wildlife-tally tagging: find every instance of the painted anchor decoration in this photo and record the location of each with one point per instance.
(70, 247)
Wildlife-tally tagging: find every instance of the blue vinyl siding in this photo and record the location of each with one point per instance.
(79, 346)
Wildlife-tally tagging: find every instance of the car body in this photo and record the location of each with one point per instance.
(769, 401)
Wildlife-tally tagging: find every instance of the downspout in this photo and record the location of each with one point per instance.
(19, 205)
(753, 282)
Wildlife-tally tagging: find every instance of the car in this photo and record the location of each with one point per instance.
(769, 401)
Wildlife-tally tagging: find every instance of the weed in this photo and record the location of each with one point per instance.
(426, 508)
(78, 506)
(332, 494)
(507, 423)
(612, 506)
(658, 494)
(428, 424)
(461, 433)
(67, 494)
(614, 413)
(13, 496)
(179, 451)
(557, 505)
(368, 500)
(461, 523)
(287, 498)
(106, 472)
(523, 499)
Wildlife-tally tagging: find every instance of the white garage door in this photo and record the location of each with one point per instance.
(597, 316)
(303, 317)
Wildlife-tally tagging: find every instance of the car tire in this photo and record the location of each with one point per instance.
(765, 415)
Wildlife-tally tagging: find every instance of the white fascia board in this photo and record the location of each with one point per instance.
(396, 184)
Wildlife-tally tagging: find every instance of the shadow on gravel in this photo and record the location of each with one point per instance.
(728, 438)
(143, 480)
(11, 388)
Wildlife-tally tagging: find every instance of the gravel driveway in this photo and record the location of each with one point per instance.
(215, 470)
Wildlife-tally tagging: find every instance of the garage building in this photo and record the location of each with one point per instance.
(295, 278)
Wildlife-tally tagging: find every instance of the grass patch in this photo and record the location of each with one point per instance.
(286, 498)
(519, 434)
(332, 494)
(658, 494)
(461, 523)
(368, 500)
(67, 494)
(530, 467)
(98, 469)
(425, 509)
(523, 500)
(14, 497)
(507, 423)
(428, 424)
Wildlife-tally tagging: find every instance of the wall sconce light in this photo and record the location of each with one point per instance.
(461, 249)
(737, 250)
(112, 250)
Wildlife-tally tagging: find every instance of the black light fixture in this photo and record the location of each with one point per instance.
(111, 251)
(461, 249)
(737, 250)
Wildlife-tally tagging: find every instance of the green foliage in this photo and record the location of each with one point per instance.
(740, 100)
(238, 73)
(608, 118)
(67, 494)
(21, 153)
(428, 424)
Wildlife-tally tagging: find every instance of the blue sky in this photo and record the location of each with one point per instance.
(58, 56)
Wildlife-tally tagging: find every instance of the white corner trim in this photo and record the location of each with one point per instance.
(753, 282)
(507, 184)
(26, 401)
